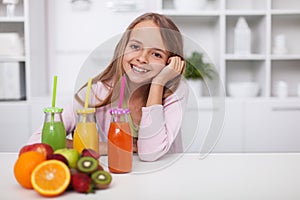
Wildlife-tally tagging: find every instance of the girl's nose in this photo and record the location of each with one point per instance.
(142, 57)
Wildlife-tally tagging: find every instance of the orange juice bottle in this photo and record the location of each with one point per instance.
(86, 133)
(119, 142)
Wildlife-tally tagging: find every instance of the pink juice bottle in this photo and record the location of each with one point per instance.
(119, 142)
(53, 132)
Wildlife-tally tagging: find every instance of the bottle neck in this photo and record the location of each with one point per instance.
(53, 117)
(86, 117)
(119, 117)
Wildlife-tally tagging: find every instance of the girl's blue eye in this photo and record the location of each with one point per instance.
(135, 46)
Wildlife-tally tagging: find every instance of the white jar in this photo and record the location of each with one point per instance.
(10, 7)
(242, 37)
(280, 44)
(281, 89)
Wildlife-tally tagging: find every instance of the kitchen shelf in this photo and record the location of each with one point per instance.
(257, 25)
(286, 57)
(285, 5)
(289, 26)
(213, 29)
(12, 58)
(249, 71)
(165, 5)
(245, 12)
(18, 13)
(288, 71)
(285, 12)
(205, 13)
(12, 19)
(29, 24)
(245, 57)
(247, 5)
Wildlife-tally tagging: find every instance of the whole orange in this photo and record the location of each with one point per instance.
(24, 166)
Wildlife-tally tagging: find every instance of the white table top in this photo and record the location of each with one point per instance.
(218, 176)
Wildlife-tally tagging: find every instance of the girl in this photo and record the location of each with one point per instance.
(150, 56)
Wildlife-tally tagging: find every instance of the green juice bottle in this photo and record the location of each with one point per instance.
(54, 132)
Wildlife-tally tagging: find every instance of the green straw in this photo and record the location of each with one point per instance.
(54, 96)
(54, 91)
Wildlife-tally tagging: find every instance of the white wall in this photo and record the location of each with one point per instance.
(73, 35)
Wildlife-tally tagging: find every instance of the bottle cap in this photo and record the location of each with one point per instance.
(86, 111)
(119, 111)
(53, 110)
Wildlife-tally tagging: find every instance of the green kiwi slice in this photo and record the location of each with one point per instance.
(101, 179)
(87, 164)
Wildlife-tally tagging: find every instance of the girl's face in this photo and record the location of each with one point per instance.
(145, 54)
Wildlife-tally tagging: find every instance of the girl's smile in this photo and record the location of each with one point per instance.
(139, 70)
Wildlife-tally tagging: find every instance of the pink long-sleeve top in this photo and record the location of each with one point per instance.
(160, 126)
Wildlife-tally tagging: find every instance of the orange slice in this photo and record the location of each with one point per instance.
(51, 178)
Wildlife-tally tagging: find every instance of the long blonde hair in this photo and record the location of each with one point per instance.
(173, 42)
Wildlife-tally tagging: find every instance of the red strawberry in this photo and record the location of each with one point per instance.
(82, 183)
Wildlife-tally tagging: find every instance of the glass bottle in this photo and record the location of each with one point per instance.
(86, 133)
(119, 142)
(53, 132)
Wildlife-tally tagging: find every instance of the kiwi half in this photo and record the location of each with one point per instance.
(87, 164)
(101, 179)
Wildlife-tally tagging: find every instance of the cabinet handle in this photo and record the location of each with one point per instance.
(209, 109)
(278, 109)
(204, 109)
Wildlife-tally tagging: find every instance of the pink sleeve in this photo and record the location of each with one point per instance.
(160, 126)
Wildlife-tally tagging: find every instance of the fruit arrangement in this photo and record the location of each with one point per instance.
(51, 173)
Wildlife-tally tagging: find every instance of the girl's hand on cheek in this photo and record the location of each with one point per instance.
(169, 72)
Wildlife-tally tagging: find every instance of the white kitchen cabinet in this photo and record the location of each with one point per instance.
(231, 136)
(14, 126)
(197, 123)
(249, 126)
(272, 126)
(206, 130)
(29, 23)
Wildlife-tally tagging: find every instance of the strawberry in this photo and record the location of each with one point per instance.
(82, 183)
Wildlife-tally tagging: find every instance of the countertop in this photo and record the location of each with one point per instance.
(186, 176)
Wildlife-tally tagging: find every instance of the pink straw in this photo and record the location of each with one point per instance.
(122, 91)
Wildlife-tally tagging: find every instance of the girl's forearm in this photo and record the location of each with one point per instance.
(155, 94)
